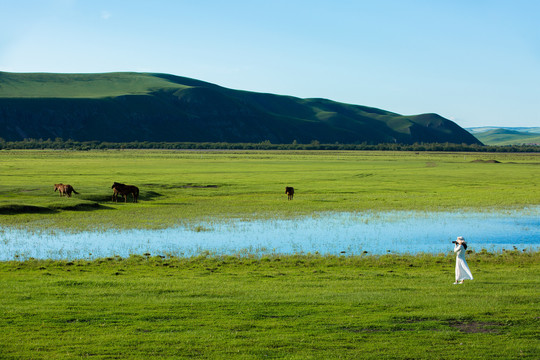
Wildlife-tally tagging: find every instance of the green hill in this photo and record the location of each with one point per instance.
(123, 107)
(506, 136)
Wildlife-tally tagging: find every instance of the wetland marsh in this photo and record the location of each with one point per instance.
(397, 232)
(234, 202)
(159, 300)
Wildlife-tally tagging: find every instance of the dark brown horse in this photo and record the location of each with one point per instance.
(64, 189)
(289, 190)
(124, 190)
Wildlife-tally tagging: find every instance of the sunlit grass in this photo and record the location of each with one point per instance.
(271, 306)
(184, 186)
(291, 307)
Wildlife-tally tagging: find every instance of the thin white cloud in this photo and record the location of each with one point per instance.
(105, 15)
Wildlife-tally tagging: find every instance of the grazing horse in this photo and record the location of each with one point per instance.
(289, 190)
(60, 188)
(124, 190)
(64, 189)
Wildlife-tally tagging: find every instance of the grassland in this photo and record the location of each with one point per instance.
(126, 107)
(46, 85)
(294, 307)
(503, 137)
(182, 186)
(243, 307)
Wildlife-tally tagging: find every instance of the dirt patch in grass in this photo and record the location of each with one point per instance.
(475, 326)
(412, 320)
(361, 330)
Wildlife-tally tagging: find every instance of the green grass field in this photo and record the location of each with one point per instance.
(294, 307)
(46, 85)
(503, 137)
(128, 106)
(247, 307)
(183, 186)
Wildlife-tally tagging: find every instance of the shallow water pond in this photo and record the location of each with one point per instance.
(329, 233)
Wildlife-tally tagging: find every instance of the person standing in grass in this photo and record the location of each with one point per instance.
(462, 269)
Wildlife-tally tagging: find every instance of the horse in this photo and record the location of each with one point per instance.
(60, 188)
(68, 189)
(124, 190)
(289, 190)
(64, 189)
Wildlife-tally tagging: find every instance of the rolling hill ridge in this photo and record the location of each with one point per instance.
(121, 107)
(507, 136)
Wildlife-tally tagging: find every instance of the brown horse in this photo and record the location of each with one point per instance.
(64, 189)
(124, 190)
(60, 188)
(289, 190)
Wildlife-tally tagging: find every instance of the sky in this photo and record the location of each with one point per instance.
(476, 62)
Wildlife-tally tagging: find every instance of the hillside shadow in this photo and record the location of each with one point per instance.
(180, 80)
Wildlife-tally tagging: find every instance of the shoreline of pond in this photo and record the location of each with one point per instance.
(397, 232)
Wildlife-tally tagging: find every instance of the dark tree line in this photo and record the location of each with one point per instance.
(60, 144)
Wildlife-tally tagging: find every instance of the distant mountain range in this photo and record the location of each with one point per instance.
(491, 135)
(122, 107)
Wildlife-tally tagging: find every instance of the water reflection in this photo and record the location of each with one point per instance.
(333, 233)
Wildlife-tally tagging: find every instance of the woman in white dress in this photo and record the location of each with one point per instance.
(462, 269)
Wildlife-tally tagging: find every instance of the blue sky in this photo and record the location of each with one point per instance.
(476, 62)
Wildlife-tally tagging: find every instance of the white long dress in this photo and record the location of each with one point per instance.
(462, 269)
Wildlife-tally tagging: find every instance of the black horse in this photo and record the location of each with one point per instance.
(124, 190)
(289, 190)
